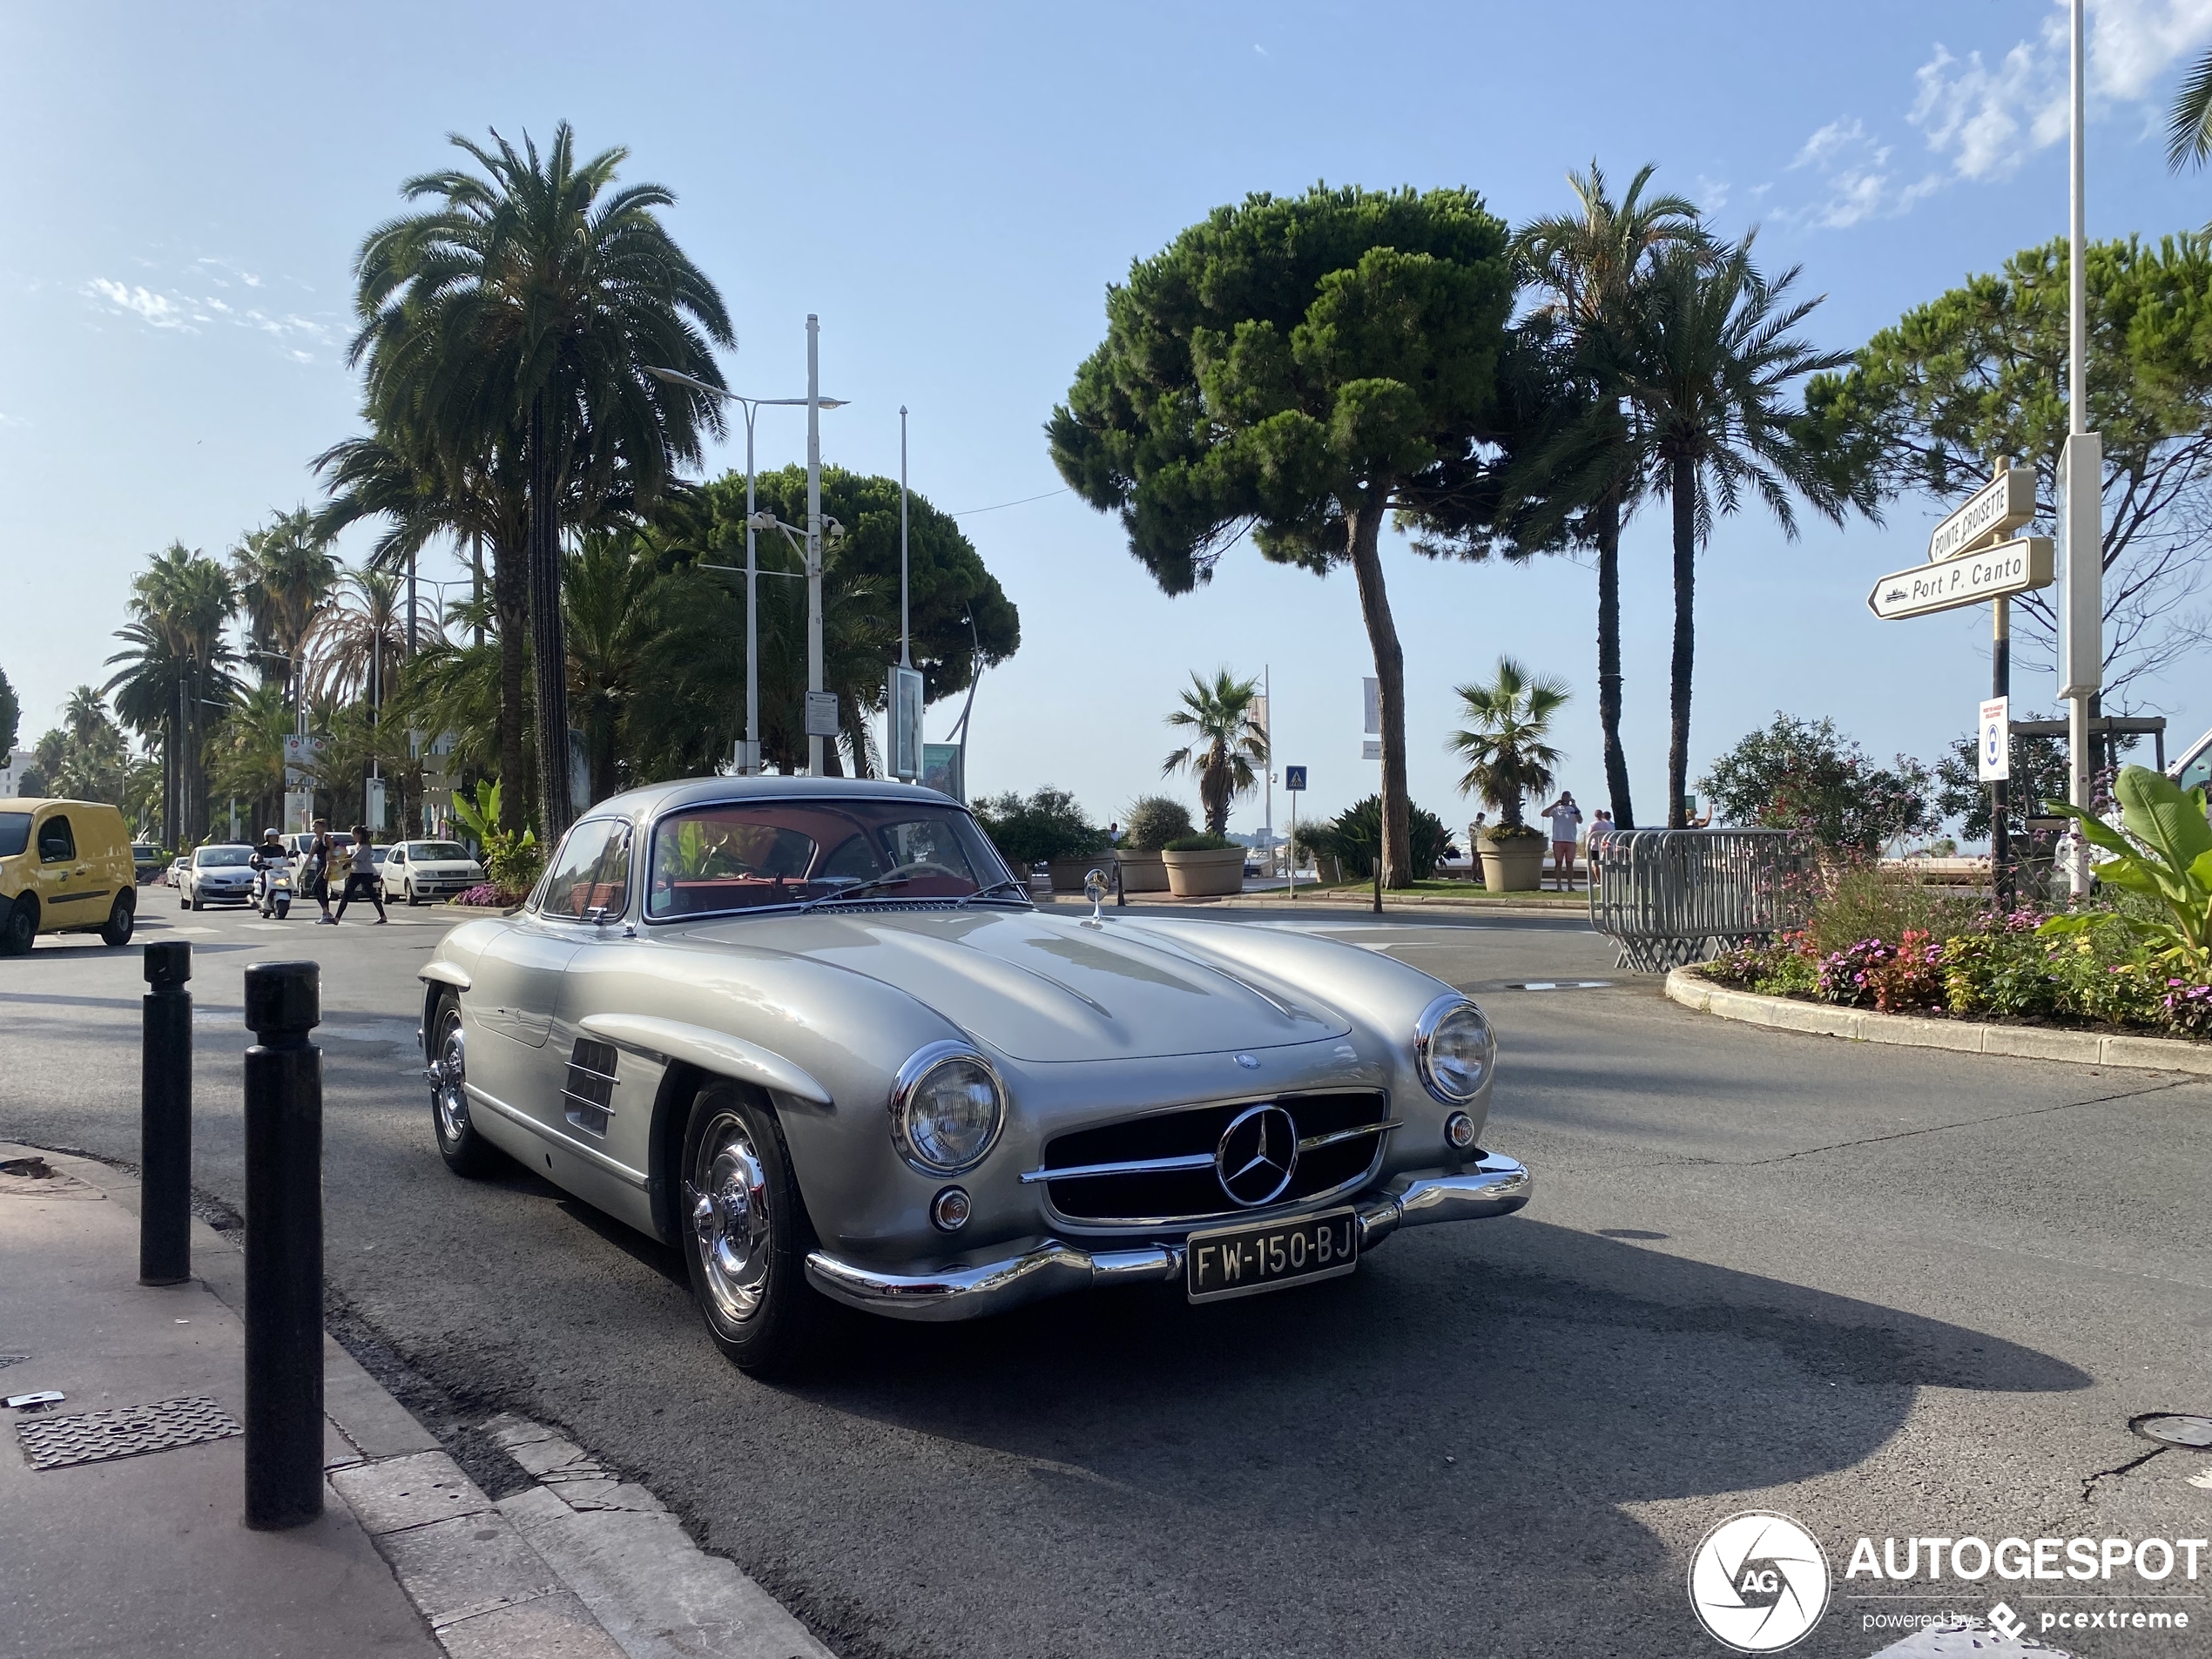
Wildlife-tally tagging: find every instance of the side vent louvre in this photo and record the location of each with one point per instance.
(588, 1097)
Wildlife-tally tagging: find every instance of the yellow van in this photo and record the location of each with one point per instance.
(65, 867)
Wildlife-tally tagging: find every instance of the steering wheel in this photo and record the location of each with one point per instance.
(922, 867)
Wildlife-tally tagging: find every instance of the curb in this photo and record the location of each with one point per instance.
(578, 1565)
(1693, 990)
(1363, 904)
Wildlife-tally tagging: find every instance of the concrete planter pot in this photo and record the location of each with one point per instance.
(1517, 866)
(1205, 876)
(1067, 873)
(1144, 872)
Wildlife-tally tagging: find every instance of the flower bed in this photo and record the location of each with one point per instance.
(1998, 966)
(487, 895)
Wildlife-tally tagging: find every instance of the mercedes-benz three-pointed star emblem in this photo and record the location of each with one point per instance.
(1257, 1154)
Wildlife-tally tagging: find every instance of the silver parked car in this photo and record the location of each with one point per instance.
(812, 1032)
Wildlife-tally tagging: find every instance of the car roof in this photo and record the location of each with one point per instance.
(656, 798)
(31, 803)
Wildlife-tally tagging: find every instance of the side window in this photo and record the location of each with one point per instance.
(610, 884)
(569, 889)
(56, 843)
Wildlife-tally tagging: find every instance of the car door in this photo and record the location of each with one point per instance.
(517, 978)
(69, 893)
(394, 876)
(593, 1075)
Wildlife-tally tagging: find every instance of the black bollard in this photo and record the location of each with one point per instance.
(283, 1447)
(165, 1118)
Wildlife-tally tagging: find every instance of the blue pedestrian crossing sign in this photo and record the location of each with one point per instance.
(1294, 777)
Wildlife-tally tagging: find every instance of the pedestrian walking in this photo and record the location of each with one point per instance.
(362, 881)
(318, 871)
(1601, 827)
(1566, 821)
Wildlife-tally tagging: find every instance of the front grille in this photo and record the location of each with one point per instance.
(1179, 1196)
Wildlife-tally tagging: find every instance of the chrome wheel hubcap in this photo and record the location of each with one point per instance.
(448, 1085)
(728, 1193)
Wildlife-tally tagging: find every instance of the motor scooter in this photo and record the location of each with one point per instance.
(273, 888)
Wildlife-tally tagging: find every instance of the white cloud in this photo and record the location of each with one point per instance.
(174, 309)
(1856, 181)
(1988, 119)
(156, 309)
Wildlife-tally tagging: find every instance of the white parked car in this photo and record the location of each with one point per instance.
(219, 875)
(418, 871)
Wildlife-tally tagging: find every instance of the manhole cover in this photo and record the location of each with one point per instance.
(93, 1437)
(2174, 1428)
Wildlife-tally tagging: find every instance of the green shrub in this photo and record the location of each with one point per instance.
(513, 861)
(1354, 837)
(1999, 967)
(1854, 900)
(1200, 842)
(1047, 825)
(1153, 821)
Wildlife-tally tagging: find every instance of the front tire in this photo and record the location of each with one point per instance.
(466, 1152)
(749, 1233)
(19, 927)
(121, 920)
(411, 899)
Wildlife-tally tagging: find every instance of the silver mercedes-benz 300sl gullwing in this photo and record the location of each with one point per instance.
(814, 1033)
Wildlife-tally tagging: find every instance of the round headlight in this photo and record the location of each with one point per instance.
(946, 1109)
(1455, 1047)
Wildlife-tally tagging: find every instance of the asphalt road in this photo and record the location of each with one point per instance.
(1883, 1291)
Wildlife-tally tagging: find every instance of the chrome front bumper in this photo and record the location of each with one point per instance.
(1496, 1185)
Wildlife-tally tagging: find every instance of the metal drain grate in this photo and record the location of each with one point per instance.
(94, 1437)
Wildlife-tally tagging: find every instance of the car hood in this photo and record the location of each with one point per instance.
(1043, 988)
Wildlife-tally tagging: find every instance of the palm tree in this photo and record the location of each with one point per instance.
(85, 715)
(1226, 741)
(1707, 368)
(1592, 262)
(2189, 125)
(615, 622)
(1505, 740)
(285, 573)
(528, 303)
(247, 751)
(175, 659)
(396, 473)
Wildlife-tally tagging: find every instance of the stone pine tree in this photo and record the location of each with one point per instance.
(1299, 369)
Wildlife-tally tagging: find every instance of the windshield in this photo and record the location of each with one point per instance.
(209, 858)
(14, 833)
(436, 853)
(743, 855)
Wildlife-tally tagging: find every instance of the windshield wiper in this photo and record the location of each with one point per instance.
(1014, 881)
(857, 889)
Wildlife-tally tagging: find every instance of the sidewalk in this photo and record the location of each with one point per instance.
(146, 1554)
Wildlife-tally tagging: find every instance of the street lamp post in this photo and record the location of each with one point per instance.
(813, 401)
(814, 537)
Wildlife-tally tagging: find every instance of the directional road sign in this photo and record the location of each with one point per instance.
(1992, 512)
(2008, 568)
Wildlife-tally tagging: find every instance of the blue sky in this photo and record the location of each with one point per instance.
(951, 189)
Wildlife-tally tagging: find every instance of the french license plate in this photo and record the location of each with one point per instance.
(1243, 1261)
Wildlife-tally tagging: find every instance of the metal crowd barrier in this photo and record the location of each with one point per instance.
(1669, 897)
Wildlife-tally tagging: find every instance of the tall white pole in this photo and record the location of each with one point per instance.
(2078, 422)
(1267, 696)
(814, 529)
(906, 655)
(751, 767)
